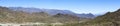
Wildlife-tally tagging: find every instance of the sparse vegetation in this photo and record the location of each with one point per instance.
(9, 16)
(109, 19)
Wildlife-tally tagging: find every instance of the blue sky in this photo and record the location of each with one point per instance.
(77, 6)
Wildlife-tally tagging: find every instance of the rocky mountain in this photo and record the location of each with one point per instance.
(108, 19)
(9, 16)
(51, 11)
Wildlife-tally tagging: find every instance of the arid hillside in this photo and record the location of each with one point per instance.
(10, 16)
(108, 19)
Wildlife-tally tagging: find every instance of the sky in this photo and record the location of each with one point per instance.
(77, 6)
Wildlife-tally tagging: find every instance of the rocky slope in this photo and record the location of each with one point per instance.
(9, 16)
(108, 19)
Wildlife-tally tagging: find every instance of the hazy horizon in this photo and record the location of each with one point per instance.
(77, 6)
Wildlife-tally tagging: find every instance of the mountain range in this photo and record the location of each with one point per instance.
(51, 11)
(108, 19)
(23, 15)
(10, 16)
